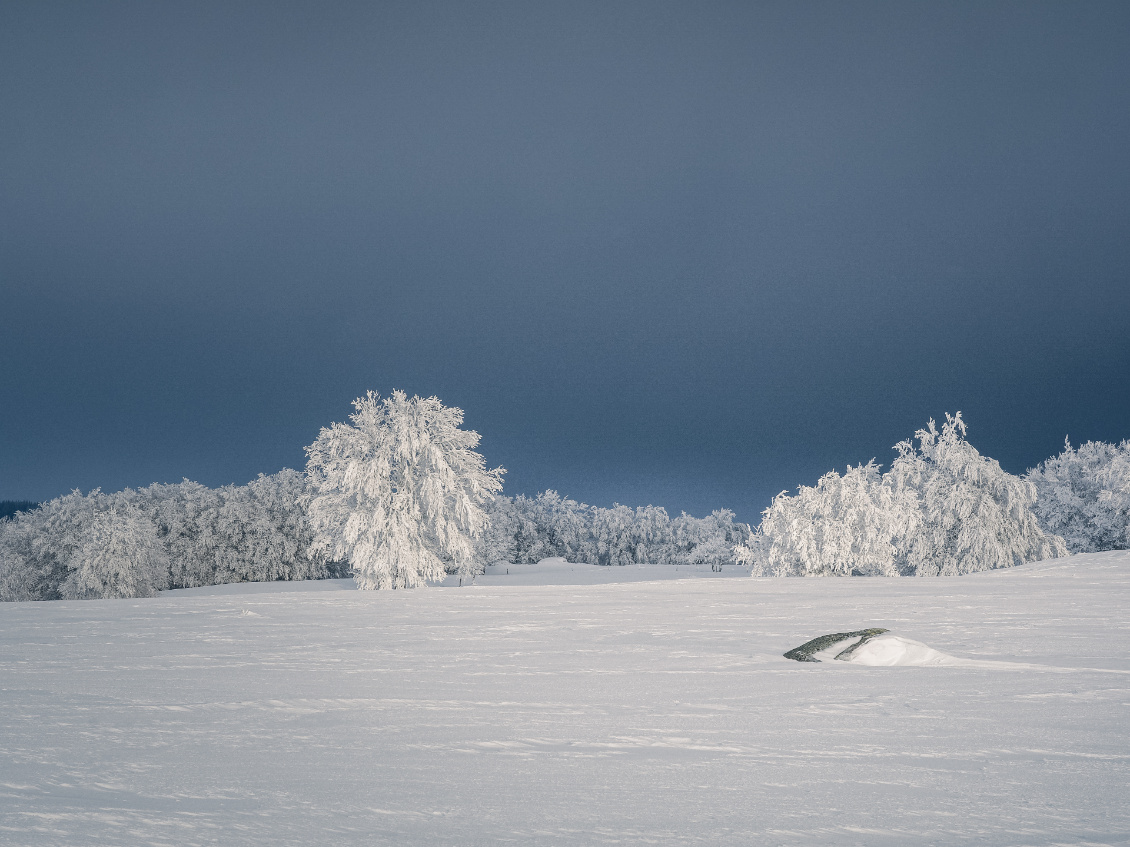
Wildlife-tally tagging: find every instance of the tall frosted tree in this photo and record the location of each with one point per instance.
(974, 515)
(399, 491)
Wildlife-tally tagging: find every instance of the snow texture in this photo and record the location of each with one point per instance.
(553, 706)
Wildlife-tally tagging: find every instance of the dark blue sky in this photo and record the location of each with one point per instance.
(687, 254)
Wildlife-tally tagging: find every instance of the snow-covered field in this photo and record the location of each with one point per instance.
(562, 704)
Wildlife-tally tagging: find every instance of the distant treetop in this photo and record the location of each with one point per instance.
(10, 507)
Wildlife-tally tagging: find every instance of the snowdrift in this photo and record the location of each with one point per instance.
(880, 648)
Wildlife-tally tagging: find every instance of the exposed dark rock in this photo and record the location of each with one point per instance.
(804, 653)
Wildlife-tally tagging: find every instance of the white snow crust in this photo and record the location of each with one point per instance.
(569, 705)
(889, 650)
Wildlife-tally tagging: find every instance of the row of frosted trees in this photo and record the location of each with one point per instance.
(525, 530)
(944, 509)
(134, 543)
(941, 509)
(399, 497)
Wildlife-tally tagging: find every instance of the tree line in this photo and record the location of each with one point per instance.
(398, 497)
(943, 509)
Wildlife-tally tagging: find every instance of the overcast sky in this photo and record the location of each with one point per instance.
(688, 254)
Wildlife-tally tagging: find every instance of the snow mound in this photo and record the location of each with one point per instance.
(889, 650)
(879, 648)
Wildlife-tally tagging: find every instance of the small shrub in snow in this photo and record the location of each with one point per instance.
(1084, 495)
(400, 493)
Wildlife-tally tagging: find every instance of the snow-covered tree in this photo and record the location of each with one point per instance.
(974, 515)
(237, 533)
(528, 529)
(118, 555)
(8, 508)
(496, 545)
(81, 546)
(185, 514)
(708, 541)
(19, 579)
(257, 532)
(49, 538)
(525, 530)
(626, 536)
(942, 509)
(552, 525)
(279, 539)
(260, 532)
(845, 525)
(1084, 495)
(400, 492)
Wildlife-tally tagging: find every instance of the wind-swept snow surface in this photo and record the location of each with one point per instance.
(656, 711)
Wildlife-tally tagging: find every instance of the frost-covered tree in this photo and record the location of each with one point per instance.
(708, 541)
(11, 507)
(47, 541)
(279, 539)
(261, 532)
(942, 509)
(81, 546)
(100, 545)
(626, 536)
(19, 579)
(496, 545)
(552, 525)
(525, 530)
(118, 555)
(257, 532)
(186, 517)
(845, 525)
(1084, 495)
(974, 516)
(399, 492)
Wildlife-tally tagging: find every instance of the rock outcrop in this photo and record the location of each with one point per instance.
(807, 652)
